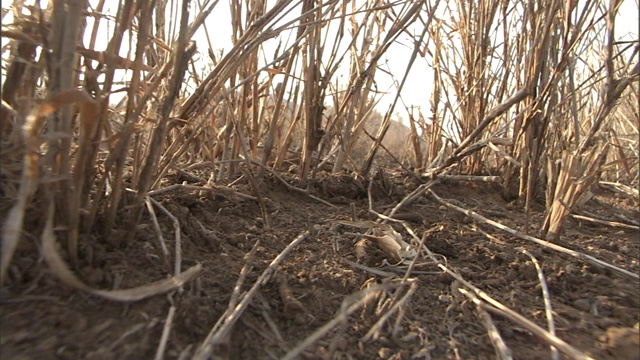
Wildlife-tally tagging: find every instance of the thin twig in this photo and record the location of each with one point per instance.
(165, 334)
(374, 331)
(156, 227)
(349, 305)
(502, 350)
(291, 187)
(210, 187)
(206, 348)
(488, 303)
(237, 288)
(603, 222)
(178, 237)
(547, 301)
(494, 179)
(584, 257)
(492, 305)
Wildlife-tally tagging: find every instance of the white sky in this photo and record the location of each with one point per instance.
(417, 89)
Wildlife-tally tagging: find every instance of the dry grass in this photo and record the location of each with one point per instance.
(537, 92)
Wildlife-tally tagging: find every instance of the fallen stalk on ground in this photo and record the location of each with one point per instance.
(584, 257)
(547, 300)
(349, 306)
(604, 222)
(488, 303)
(218, 336)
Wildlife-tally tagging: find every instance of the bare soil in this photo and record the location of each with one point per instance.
(595, 310)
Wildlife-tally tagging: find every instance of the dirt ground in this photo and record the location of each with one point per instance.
(595, 310)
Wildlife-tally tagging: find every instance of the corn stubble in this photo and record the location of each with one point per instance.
(510, 95)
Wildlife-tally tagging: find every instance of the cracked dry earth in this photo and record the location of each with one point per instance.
(595, 310)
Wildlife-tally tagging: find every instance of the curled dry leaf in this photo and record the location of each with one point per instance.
(390, 247)
(62, 271)
(12, 227)
(391, 242)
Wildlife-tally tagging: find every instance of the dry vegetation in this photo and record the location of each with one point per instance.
(534, 96)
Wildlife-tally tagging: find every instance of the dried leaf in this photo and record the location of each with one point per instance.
(62, 271)
(12, 227)
(391, 242)
(390, 247)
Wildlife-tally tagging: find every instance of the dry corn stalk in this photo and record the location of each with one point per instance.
(575, 176)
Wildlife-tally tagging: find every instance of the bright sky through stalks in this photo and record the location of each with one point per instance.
(217, 33)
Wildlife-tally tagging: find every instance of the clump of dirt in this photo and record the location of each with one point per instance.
(595, 309)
